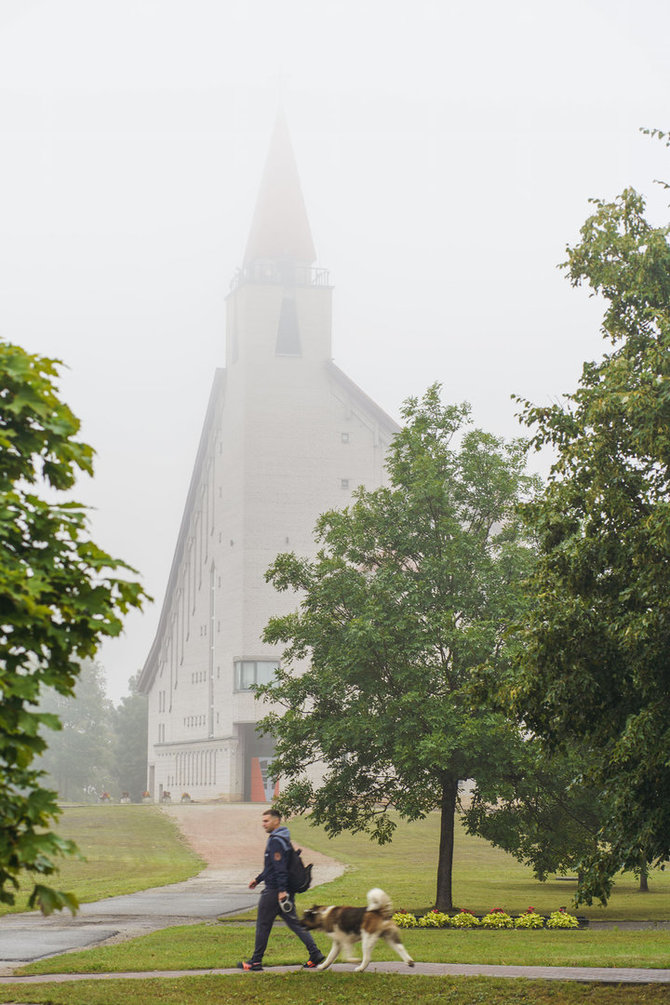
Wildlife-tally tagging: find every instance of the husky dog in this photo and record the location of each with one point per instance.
(348, 925)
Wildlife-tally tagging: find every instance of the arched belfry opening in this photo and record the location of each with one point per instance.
(288, 333)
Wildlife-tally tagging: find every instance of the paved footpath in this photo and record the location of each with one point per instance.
(602, 975)
(231, 841)
(229, 838)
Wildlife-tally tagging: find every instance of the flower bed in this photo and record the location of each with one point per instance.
(495, 919)
(561, 919)
(530, 920)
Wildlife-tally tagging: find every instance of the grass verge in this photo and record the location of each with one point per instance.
(196, 947)
(333, 989)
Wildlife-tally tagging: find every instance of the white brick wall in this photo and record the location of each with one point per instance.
(274, 458)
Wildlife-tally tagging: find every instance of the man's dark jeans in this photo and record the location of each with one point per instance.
(268, 909)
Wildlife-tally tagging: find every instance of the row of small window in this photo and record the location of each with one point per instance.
(251, 672)
(247, 674)
(194, 720)
(189, 720)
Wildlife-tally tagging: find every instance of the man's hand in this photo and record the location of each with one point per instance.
(282, 894)
(253, 884)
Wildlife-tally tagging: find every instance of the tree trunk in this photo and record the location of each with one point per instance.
(443, 900)
(644, 875)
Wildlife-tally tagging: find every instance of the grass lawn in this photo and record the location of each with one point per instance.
(126, 848)
(195, 947)
(484, 876)
(333, 989)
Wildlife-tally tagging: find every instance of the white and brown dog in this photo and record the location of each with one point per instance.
(348, 925)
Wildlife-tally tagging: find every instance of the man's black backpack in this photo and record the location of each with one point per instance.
(299, 874)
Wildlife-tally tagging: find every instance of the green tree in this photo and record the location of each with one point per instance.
(130, 736)
(412, 589)
(596, 669)
(540, 810)
(60, 595)
(79, 759)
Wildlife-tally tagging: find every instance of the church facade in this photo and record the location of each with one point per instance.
(287, 436)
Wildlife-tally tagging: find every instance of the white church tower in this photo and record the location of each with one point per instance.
(287, 436)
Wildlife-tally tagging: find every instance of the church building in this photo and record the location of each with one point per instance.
(287, 435)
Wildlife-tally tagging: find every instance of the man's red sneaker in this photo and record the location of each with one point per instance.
(312, 963)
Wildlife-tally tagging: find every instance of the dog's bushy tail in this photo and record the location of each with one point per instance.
(380, 901)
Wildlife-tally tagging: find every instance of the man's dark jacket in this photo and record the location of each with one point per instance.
(277, 851)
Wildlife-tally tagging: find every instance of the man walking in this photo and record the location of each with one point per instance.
(275, 898)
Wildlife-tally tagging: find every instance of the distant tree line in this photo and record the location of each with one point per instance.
(101, 749)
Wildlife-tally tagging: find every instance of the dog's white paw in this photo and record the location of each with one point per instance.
(321, 966)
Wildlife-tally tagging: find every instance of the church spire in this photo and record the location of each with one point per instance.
(280, 229)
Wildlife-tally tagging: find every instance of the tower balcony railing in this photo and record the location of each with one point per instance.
(280, 273)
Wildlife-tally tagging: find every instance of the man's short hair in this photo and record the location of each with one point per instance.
(272, 812)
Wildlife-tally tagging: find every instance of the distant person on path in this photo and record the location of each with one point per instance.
(275, 898)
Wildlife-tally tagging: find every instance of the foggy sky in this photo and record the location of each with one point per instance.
(447, 152)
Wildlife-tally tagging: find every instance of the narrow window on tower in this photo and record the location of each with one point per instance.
(288, 334)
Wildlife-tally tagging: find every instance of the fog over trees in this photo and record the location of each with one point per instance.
(101, 749)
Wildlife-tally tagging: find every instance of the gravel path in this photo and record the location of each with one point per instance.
(231, 840)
